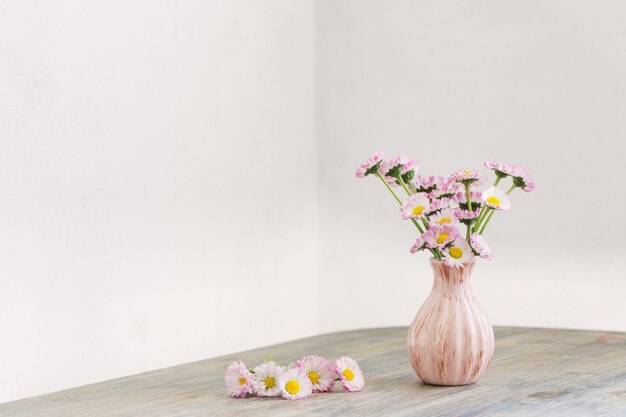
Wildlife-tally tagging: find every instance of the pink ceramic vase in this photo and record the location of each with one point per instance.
(450, 341)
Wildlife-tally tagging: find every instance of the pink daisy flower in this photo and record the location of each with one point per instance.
(350, 374)
(522, 179)
(393, 166)
(370, 165)
(419, 245)
(458, 253)
(427, 184)
(467, 217)
(319, 370)
(447, 190)
(295, 385)
(501, 170)
(461, 197)
(467, 177)
(400, 166)
(266, 378)
(415, 207)
(466, 214)
(410, 165)
(438, 204)
(409, 170)
(480, 245)
(439, 236)
(238, 380)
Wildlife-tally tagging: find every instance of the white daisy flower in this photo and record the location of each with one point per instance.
(295, 385)
(416, 206)
(445, 216)
(349, 374)
(319, 370)
(266, 378)
(458, 254)
(238, 380)
(496, 199)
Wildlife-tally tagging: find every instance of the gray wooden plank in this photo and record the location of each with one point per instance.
(539, 372)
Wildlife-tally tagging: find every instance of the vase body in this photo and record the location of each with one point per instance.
(450, 341)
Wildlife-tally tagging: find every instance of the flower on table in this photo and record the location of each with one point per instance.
(370, 165)
(319, 371)
(445, 216)
(238, 380)
(416, 206)
(295, 385)
(439, 236)
(467, 177)
(496, 199)
(266, 378)
(349, 374)
(480, 246)
(458, 253)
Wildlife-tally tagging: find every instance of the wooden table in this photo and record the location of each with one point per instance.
(535, 372)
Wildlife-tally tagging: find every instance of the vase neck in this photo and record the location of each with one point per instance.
(450, 279)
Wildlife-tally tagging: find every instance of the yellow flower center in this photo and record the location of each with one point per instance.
(418, 210)
(242, 381)
(493, 200)
(292, 387)
(468, 172)
(455, 252)
(269, 382)
(314, 377)
(445, 220)
(442, 238)
(348, 374)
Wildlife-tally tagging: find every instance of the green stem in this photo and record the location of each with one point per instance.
(498, 178)
(487, 222)
(483, 213)
(468, 194)
(379, 175)
(511, 189)
(417, 225)
(403, 184)
(412, 188)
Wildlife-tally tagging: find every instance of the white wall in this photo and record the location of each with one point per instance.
(452, 84)
(158, 191)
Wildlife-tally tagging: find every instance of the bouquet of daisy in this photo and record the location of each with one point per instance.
(440, 207)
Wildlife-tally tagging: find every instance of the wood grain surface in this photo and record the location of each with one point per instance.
(534, 372)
